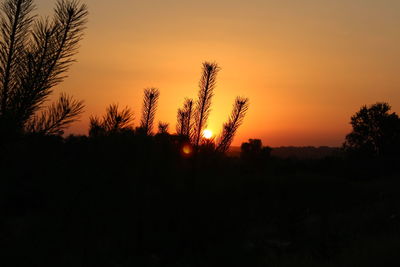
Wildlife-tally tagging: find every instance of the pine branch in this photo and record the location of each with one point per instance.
(95, 126)
(115, 120)
(203, 105)
(180, 125)
(56, 117)
(188, 110)
(150, 100)
(112, 122)
(184, 126)
(240, 108)
(14, 27)
(47, 57)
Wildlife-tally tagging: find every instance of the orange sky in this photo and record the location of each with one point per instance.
(306, 65)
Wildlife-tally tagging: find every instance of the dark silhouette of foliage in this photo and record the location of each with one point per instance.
(56, 117)
(180, 123)
(203, 104)
(254, 146)
(34, 56)
(240, 108)
(163, 127)
(95, 126)
(16, 22)
(112, 122)
(376, 131)
(184, 119)
(254, 151)
(188, 110)
(150, 100)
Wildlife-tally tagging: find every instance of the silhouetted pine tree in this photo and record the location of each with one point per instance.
(34, 56)
(240, 108)
(150, 100)
(203, 104)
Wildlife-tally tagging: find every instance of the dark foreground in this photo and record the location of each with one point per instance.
(136, 201)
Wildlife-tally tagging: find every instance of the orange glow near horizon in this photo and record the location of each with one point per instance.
(306, 66)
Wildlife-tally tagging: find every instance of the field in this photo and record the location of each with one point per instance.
(136, 201)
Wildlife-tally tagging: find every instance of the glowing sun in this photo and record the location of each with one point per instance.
(207, 134)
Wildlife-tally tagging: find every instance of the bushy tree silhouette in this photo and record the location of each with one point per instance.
(253, 150)
(376, 131)
(34, 56)
(149, 109)
(163, 127)
(240, 108)
(254, 146)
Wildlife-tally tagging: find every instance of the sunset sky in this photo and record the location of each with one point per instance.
(305, 65)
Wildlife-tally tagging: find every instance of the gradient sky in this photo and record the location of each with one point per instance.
(306, 65)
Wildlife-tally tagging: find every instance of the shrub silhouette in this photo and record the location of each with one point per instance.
(376, 131)
(112, 122)
(163, 127)
(34, 56)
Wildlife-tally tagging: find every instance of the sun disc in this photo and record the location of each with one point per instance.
(207, 134)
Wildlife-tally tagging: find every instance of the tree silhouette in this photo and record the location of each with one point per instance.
(203, 104)
(253, 151)
(112, 122)
(34, 56)
(240, 108)
(254, 146)
(375, 131)
(150, 100)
